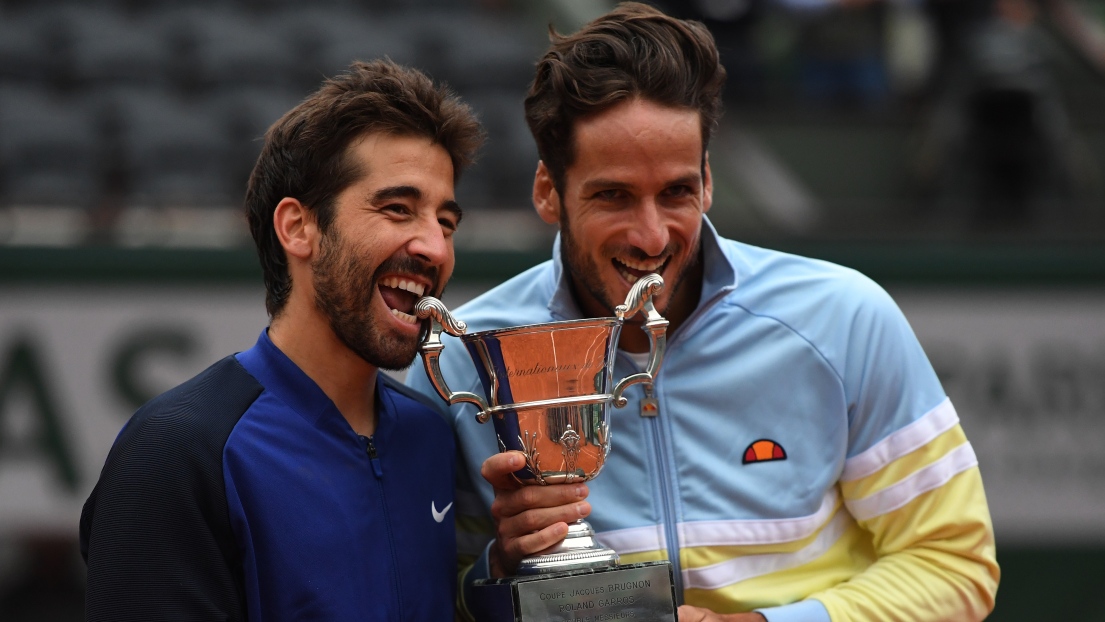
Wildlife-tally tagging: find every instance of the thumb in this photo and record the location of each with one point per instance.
(498, 468)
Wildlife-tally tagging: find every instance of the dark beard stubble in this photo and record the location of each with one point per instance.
(585, 273)
(344, 287)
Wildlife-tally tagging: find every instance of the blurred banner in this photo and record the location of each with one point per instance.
(1023, 367)
(75, 362)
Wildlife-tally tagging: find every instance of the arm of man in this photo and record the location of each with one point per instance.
(688, 613)
(524, 520)
(910, 479)
(528, 519)
(155, 532)
(930, 526)
(155, 548)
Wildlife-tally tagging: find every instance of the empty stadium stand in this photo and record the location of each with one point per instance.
(131, 103)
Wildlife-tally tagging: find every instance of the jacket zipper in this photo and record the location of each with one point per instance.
(664, 459)
(378, 470)
(667, 503)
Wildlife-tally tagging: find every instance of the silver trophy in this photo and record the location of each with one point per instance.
(549, 390)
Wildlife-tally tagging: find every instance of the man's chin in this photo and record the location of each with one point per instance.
(390, 363)
(396, 368)
(395, 358)
(391, 352)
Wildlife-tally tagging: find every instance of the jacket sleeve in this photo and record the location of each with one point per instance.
(912, 481)
(155, 531)
(935, 556)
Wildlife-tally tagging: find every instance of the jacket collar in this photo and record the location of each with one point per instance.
(282, 377)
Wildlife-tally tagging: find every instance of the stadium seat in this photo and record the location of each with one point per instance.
(159, 102)
(175, 148)
(48, 151)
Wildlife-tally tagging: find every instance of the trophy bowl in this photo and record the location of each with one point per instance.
(549, 391)
(556, 383)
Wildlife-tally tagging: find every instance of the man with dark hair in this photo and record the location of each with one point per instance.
(290, 481)
(796, 457)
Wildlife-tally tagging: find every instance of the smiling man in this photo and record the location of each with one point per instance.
(293, 481)
(796, 458)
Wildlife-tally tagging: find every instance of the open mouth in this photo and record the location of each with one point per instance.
(632, 270)
(400, 295)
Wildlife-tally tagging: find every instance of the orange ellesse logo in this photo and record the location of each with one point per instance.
(764, 450)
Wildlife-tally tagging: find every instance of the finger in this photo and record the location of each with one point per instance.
(531, 543)
(497, 469)
(537, 519)
(505, 555)
(688, 613)
(512, 502)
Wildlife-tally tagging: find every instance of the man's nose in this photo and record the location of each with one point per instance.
(649, 232)
(429, 242)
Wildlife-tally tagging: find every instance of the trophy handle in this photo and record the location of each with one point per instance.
(640, 299)
(441, 320)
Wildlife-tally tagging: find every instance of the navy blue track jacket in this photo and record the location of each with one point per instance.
(243, 494)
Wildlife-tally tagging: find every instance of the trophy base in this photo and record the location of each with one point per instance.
(644, 591)
(577, 551)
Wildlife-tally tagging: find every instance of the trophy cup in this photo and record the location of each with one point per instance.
(549, 391)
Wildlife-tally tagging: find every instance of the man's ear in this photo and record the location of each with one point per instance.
(295, 228)
(546, 200)
(707, 185)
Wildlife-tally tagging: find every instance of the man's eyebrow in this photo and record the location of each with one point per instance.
(396, 192)
(604, 184)
(692, 179)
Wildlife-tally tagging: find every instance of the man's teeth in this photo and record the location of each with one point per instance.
(632, 278)
(651, 266)
(410, 286)
(406, 317)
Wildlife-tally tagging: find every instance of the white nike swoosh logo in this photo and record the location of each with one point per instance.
(439, 516)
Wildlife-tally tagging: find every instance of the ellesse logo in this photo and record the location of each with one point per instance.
(764, 450)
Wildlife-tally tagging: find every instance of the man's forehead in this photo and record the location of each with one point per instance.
(637, 110)
(637, 122)
(617, 168)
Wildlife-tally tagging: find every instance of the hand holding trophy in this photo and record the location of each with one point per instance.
(549, 391)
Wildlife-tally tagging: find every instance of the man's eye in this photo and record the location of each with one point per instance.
(608, 195)
(680, 191)
(448, 224)
(396, 208)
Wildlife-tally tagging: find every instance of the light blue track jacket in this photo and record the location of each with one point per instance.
(805, 461)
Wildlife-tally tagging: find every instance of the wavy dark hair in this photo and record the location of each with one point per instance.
(305, 154)
(633, 51)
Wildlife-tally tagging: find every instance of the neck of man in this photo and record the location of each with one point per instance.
(304, 335)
